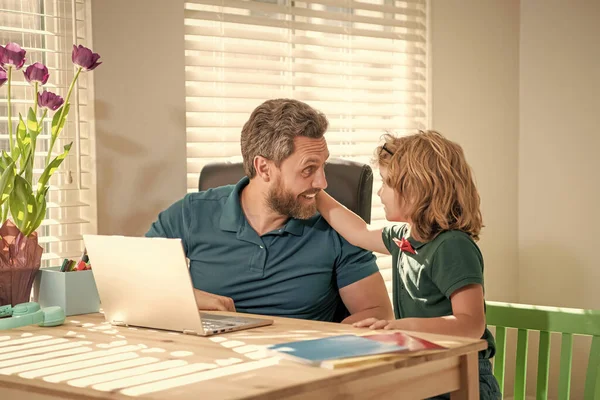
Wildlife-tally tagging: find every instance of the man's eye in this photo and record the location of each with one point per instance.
(308, 170)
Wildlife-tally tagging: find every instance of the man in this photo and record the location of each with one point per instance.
(259, 246)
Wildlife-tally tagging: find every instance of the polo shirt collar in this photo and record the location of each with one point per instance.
(232, 217)
(414, 242)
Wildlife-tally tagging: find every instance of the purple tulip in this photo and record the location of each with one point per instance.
(3, 76)
(84, 57)
(12, 54)
(37, 73)
(50, 100)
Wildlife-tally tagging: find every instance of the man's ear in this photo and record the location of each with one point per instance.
(262, 166)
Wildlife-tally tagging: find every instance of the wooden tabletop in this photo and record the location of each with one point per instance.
(64, 362)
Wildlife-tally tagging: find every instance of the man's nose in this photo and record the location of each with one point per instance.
(320, 182)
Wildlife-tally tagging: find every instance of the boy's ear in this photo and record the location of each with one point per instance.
(262, 166)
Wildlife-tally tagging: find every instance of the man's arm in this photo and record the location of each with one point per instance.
(367, 298)
(171, 224)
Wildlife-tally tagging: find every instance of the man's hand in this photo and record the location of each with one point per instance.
(209, 301)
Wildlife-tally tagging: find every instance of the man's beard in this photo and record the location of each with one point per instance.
(286, 203)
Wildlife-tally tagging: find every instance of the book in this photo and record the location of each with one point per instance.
(412, 345)
(317, 351)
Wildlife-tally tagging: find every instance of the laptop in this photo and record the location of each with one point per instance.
(146, 282)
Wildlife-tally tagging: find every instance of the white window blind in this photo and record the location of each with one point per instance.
(47, 30)
(362, 63)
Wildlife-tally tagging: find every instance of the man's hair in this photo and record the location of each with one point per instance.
(272, 127)
(432, 177)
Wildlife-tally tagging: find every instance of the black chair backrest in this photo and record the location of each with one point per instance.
(349, 182)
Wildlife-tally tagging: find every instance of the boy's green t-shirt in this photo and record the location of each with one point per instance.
(423, 282)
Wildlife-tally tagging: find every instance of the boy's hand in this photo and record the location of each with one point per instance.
(374, 323)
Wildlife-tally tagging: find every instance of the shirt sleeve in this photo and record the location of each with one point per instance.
(171, 224)
(390, 233)
(457, 262)
(353, 263)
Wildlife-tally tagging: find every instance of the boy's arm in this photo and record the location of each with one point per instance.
(352, 227)
(468, 319)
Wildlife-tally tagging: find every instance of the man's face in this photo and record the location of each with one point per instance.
(298, 180)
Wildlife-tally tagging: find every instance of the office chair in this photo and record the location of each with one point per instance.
(349, 182)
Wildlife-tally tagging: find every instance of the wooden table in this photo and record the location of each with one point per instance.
(86, 358)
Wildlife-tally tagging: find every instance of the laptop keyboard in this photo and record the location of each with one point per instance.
(213, 325)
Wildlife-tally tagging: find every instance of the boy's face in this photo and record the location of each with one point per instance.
(299, 178)
(393, 204)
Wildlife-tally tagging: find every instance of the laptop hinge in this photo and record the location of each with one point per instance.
(189, 332)
(118, 323)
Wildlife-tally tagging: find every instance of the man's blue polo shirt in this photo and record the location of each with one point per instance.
(295, 271)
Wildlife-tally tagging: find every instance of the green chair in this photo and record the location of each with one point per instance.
(568, 322)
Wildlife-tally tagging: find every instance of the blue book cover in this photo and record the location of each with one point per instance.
(334, 347)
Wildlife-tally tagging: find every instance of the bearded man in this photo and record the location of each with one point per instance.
(260, 246)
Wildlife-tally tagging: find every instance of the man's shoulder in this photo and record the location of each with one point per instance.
(217, 194)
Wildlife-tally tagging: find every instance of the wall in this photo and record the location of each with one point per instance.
(559, 187)
(140, 111)
(475, 80)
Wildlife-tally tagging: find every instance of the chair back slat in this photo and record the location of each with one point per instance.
(521, 370)
(592, 380)
(566, 357)
(500, 357)
(542, 318)
(568, 322)
(543, 366)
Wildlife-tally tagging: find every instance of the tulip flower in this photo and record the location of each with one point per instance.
(50, 100)
(84, 57)
(22, 196)
(12, 55)
(36, 73)
(3, 76)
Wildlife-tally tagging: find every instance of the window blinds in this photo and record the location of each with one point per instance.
(362, 63)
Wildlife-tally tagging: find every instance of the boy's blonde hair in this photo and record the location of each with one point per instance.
(432, 177)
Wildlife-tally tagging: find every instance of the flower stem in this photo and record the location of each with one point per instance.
(62, 111)
(35, 99)
(10, 130)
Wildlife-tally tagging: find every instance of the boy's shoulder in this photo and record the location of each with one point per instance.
(454, 239)
(455, 245)
(454, 236)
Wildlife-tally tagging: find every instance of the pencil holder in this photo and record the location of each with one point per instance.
(75, 292)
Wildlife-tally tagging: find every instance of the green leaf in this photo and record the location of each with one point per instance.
(5, 160)
(23, 142)
(7, 182)
(51, 167)
(23, 205)
(25, 163)
(41, 209)
(15, 152)
(32, 124)
(21, 129)
(57, 125)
